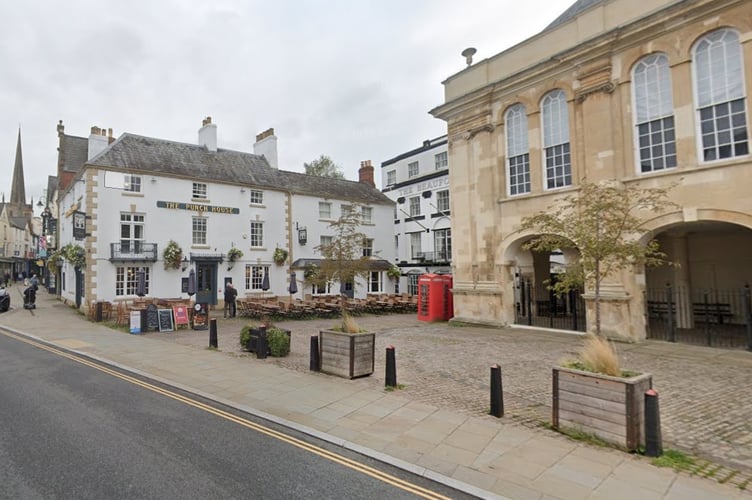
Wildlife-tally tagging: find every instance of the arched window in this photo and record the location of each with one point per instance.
(720, 95)
(654, 114)
(518, 154)
(556, 140)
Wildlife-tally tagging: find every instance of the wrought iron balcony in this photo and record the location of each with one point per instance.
(439, 256)
(133, 251)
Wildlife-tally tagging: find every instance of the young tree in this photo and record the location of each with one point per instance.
(603, 221)
(343, 260)
(324, 167)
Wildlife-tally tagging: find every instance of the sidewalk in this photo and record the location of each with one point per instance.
(479, 454)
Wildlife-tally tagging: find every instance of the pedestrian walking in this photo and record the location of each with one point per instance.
(230, 295)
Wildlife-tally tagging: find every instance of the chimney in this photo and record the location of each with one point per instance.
(266, 146)
(98, 142)
(365, 173)
(207, 135)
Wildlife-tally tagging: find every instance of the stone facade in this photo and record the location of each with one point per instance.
(579, 100)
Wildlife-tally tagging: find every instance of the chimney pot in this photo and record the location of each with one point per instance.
(365, 173)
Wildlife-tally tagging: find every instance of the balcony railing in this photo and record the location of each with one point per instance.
(133, 251)
(440, 256)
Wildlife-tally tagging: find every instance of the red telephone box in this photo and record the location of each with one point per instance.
(431, 297)
(448, 302)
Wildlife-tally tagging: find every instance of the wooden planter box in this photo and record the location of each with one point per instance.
(348, 355)
(612, 408)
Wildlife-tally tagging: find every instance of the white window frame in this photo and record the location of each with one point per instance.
(440, 160)
(256, 232)
(126, 280)
(199, 230)
(723, 92)
(556, 145)
(254, 276)
(416, 246)
(442, 201)
(200, 191)
(366, 215)
(367, 247)
(391, 177)
(414, 206)
(654, 124)
(132, 183)
(442, 244)
(256, 197)
(518, 150)
(136, 224)
(375, 282)
(413, 169)
(325, 210)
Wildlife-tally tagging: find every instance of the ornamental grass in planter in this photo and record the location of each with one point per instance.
(595, 395)
(346, 350)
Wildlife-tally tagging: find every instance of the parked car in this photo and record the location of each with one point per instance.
(4, 300)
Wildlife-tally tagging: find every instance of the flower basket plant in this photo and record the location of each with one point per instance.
(234, 254)
(394, 272)
(173, 255)
(280, 255)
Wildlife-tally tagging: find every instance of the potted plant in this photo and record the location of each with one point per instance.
(173, 255)
(277, 339)
(280, 255)
(594, 394)
(233, 254)
(346, 350)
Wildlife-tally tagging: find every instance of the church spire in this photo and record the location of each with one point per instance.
(17, 189)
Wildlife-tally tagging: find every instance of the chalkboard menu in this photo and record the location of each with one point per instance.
(152, 319)
(165, 320)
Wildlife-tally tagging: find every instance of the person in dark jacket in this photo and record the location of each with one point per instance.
(230, 295)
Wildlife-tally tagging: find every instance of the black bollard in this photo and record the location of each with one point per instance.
(315, 362)
(213, 333)
(653, 440)
(391, 368)
(262, 346)
(497, 395)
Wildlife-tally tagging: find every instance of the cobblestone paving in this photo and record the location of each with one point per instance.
(705, 402)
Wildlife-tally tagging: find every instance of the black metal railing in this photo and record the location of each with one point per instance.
(710, 317)
(545, 309)
(133, 251)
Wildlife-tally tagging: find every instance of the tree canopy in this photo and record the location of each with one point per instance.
(324, 166)
(603, 221)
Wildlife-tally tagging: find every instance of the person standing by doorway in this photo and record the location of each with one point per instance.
(230, 295)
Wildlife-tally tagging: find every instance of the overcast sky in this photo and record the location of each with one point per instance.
(352, 79)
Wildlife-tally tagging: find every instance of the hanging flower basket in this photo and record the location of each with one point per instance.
(75, 254)
(234, 254)
(280, 255)
(394, 272)
(173, 255)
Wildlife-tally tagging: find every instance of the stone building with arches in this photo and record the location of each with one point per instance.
(652, 93)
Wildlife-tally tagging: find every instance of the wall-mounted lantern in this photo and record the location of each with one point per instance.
(302, 234)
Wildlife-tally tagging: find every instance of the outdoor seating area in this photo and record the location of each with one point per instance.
(323, 306)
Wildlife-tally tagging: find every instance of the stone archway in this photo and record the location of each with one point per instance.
(534, 304)
(704, 291)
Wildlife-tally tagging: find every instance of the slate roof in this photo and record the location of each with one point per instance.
(573, 11)
(75, 152)
(162, 157)
(18, 222)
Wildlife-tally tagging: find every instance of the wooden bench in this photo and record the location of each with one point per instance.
(714, 312)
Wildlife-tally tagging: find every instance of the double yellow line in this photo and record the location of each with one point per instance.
(316, 450)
